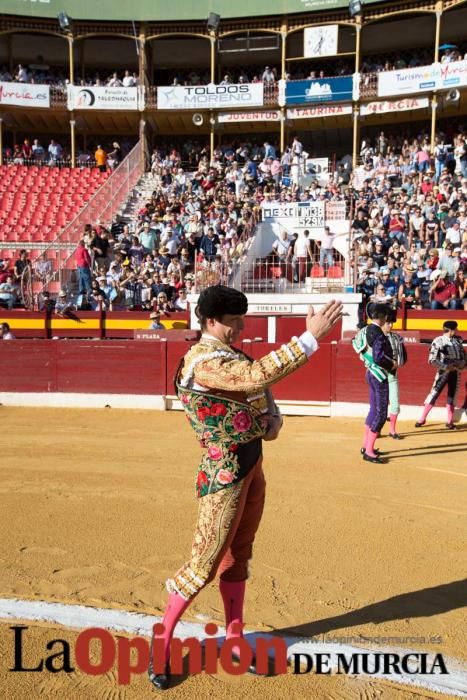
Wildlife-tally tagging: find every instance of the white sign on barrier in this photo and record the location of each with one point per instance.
(320, 110)
(24, 94)
(210, 96)
(298, 214)
(272, 116)
(405, 104)
(438, 76)
(102, 97)
(269, 308)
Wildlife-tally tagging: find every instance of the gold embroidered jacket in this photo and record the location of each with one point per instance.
(224, 395)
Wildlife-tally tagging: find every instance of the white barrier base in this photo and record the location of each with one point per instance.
(69, 400)
(360, 410)
(171, 403)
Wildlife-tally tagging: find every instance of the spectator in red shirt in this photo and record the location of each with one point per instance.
(427, 185)
(27, 149)
(83, 263)
(441, 291)
(433, 259)
(4, 272)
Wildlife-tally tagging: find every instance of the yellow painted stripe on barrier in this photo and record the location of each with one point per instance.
(83, 323)
(139, 324)
(24, 323)
(426, 324)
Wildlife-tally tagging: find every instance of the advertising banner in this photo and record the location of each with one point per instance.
(321, 90)
(80, 97)
(210, 96)
(438, 76)
(24, 95)
(406, 104)
(298, 214)
(318, 111)
(232, 117)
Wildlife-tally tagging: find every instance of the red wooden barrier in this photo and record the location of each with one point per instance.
(415, 378)
(288, 326)
(141, 367)
(312, 382)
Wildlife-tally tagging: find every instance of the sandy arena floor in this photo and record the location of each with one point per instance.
(98, 508)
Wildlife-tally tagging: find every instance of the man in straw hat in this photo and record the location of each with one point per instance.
(227, 399)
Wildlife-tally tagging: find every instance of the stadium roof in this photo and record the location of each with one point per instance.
(159, 10)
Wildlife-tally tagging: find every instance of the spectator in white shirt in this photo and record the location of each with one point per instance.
(281, 246)
(22, 74)
(128, 80)
(181, 302)
(268, 75)
(453, 234)
(115, 81)
(5, 332)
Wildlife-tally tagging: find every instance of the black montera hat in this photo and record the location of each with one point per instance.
(374, 310)
(219, 300)
(450, 325)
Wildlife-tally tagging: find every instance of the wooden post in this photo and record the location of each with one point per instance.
(284, 28)
(439, 13)
(358, 31)
(142, 59)
(212, 38)
(282, 125)
(73, 139)
(356, 134)
(434, 107)
(211, 134)
(71, 59)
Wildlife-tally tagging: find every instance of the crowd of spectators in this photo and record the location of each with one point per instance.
(182, 236)
(409, 226)
(10, 280)
(41, 73)
(33, 152)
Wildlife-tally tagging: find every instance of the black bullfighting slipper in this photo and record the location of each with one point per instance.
(161, 681)
(450, 426)
(252, 667)
(362, 451)
(375, 460)
(396, 436)
(419, 425)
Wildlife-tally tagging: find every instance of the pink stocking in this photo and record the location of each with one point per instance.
(365, 435)
(233, 595)
(450, 410)
(426, 409)
(176, 606)
(370, 444)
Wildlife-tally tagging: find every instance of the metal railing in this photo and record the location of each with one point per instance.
(226, 268)
(103, 206)
(273, 275)
(368, 85)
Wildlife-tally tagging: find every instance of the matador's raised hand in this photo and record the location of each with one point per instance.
(321, 324)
